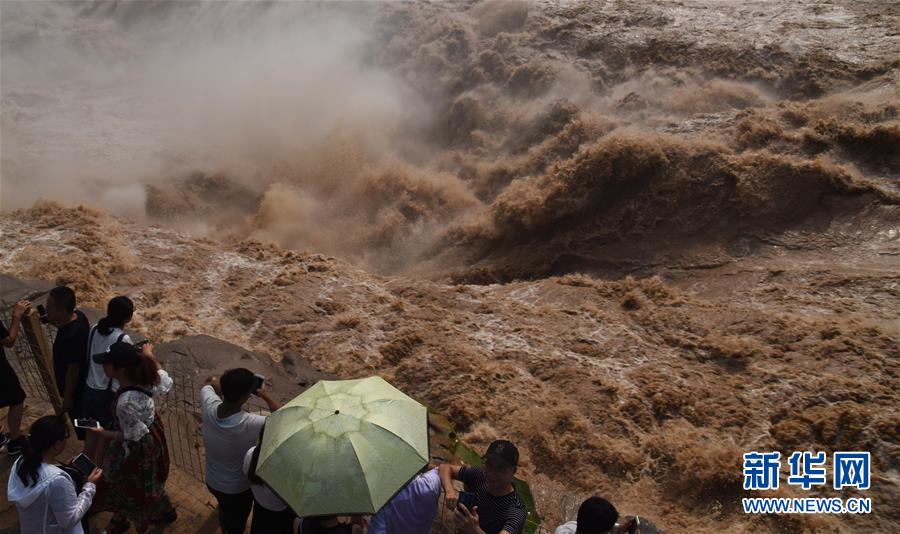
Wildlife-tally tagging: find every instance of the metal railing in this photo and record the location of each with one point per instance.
(31, 359)
(180, 412)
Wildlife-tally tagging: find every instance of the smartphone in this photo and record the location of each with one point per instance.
(84, 464)
(42, 312)
(86, 423)
(258, 380)
(468, 499)
(140, 344)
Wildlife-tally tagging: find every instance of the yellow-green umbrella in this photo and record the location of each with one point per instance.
(344, 447)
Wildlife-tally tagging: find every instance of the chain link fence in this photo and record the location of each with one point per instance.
(30, 357)
(182, 417)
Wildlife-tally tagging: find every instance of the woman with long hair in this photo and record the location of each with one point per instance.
(270, 514)
(44, 494)
(100, 390)
(137, 459)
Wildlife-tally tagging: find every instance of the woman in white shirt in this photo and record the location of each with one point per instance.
(137, 459)
(100, 390)
(270, 514)
(44, 494)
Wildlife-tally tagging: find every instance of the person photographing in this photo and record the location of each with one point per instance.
(229, 431)
(44, 494)
(498, 509)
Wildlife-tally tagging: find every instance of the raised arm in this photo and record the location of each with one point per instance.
(263, 393)
(448, 473)
(19, 310)
(165, 381)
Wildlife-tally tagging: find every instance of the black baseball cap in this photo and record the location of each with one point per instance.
(503, 451)
(120, 353)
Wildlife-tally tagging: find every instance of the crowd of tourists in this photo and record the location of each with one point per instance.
(108, 385)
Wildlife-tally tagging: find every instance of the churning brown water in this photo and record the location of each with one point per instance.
(639, 239)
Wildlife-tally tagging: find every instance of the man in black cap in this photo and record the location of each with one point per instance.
(498, 508)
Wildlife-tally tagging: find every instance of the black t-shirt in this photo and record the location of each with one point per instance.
(4, 333)
(506, 512)
(70, 348)
(11, 392)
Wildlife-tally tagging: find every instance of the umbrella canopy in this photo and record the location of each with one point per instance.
(344, 447)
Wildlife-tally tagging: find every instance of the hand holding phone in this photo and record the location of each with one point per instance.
(86, 423)
(468, 499)
(94, 477)
(42, 312)
(258, 381)
(84, 464)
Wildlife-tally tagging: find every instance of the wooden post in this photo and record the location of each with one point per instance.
(43, 357)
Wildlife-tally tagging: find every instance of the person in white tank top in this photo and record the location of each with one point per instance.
(100, 390)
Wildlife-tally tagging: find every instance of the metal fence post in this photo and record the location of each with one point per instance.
(34, 333)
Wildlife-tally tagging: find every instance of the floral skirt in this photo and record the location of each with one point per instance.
(133, 484)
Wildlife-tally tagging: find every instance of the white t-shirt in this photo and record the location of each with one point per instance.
(261, 492)
(96, 378)
(568, 528)
(226, 442)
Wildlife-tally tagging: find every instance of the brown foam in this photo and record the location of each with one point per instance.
(728, 187)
